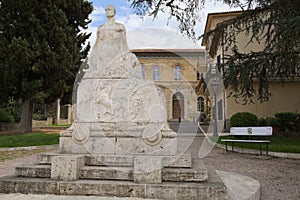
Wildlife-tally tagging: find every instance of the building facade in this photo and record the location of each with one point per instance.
(177, 72)
(285, 97)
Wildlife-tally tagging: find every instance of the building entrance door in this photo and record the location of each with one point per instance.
(177, 106)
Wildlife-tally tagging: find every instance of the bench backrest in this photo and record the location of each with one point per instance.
(255, 131)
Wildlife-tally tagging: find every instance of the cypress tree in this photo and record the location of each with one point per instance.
(42, 47)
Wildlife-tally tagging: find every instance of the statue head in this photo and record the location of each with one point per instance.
(110, 11)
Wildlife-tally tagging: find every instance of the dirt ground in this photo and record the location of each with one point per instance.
(44, 130)
(279, 177)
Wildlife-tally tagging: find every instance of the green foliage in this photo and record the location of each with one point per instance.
(38, 116)
(268, 121)
(41, 47)
(5, 116)
(277, 144)
(273, 24)
(29, 139)
(187, 12)
(271, 121)
(287, 121)
(10, 111)
(262, 122)
(275, 27)
(242, 119)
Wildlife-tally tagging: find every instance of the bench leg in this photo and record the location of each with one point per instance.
(267, 150)
(226, 146)
(232, 146)
(260, 148)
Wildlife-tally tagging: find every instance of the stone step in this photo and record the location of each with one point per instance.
(116, 173)
(34, 171)
(126, 173)
(214, 189)
(110, 160)
(106, 173)
(184, 161)
(184, 175)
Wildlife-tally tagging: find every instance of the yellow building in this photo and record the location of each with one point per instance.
(177, 72)
(285, 97)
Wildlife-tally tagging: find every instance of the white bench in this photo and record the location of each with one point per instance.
(250, 131)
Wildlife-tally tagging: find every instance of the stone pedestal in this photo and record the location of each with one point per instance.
(118, 139)
(148, 169)
(66, 167)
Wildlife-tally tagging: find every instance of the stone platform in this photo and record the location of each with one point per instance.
(179, 178)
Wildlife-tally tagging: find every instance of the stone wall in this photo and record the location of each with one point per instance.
(9, 126)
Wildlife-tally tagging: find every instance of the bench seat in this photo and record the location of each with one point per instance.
(249, 131)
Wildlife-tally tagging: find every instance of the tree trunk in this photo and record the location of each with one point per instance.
(26, 117)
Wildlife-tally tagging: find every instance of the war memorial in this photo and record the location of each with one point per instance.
(120, 143)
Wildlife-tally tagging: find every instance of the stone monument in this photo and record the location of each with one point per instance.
(117, 112)
(120, 143)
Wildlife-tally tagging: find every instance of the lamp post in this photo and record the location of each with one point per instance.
(215, 87)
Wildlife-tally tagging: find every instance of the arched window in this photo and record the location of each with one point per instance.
(156, 72)
(143, 71)
(177, 73)
(200, 104)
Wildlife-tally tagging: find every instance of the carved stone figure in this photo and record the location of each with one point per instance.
(110, 43)
(114, 101)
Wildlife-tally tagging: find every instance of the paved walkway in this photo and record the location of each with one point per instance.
(56, 197)
(279, 177)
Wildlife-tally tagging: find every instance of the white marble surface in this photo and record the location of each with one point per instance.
(117, 111)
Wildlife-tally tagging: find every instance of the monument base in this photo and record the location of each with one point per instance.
(122, 138)
(120, 176)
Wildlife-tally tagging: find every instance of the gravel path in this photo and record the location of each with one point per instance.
(8, 167)
(279, 177)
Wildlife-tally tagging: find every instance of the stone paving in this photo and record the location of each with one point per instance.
(55, 197)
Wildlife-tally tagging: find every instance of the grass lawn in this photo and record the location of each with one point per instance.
(28, 139)
(289, 144)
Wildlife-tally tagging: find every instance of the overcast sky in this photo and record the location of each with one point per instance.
(147, 32)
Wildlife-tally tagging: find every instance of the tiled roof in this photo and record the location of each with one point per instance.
(217, 14)
(167, 50)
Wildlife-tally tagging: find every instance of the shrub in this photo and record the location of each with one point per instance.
(262, 122)
(286, 121)
(39, 116)
(14, 108)
(241, 119)
(297, 123)
(6, 116)
(271, 121)
(10, 111)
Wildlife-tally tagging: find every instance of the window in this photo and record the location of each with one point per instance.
(198, 76)
(156, 73)
(200, 104)
(143, 71)
(177, 73)
(220, 110)
(218, 65)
